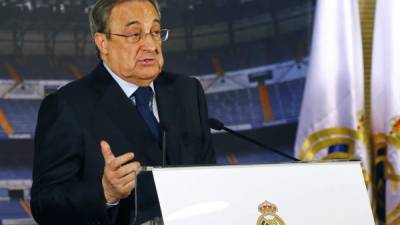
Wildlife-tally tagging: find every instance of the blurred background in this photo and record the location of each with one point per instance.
(251, 57)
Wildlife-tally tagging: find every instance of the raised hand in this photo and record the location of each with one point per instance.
(119, 177)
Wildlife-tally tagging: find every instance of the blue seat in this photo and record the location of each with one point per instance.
(11, 210)
(21, 114)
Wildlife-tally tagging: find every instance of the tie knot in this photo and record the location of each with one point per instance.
(143, 95)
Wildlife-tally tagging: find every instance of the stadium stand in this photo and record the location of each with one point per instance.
(3, 72)
(3, 135)
(33, 69)
(15, 212)
(11, 210)
(15, 173)
(243, 106)
(5, 124)
(243, 55)
(21, 114)
(4, 194)
(42, 68)
(286, 99)
(234, 107)
(84, 65)
(36, 60)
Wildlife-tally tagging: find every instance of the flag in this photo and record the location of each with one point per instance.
(385, 102)
(332, 118)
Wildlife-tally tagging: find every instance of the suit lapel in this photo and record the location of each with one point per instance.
(169, 114)
(124, 115)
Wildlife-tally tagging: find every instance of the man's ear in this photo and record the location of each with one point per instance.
(101, 42)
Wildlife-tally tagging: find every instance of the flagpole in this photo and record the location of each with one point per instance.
(367, 14)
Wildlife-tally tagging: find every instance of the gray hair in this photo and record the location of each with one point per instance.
(100, 14)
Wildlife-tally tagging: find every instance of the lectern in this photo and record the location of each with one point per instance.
(312, 193)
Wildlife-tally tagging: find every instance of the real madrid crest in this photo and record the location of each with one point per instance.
(268, 214)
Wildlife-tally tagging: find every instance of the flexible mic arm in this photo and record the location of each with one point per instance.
(218, 125)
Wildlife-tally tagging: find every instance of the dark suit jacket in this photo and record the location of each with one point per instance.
(68, 164)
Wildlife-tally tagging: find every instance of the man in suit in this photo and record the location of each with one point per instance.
(94, 134)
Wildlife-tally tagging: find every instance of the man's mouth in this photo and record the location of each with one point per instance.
(147, 61)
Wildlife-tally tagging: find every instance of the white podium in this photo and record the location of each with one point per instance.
(322, 193)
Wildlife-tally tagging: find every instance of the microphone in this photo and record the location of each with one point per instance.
(218, 125)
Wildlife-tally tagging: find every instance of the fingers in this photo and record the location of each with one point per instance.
(119, 161)
(106, 151)
(128, 187)
(111, 161)
(127, 179)
(126, 169)
(119, 177)
(123, 181)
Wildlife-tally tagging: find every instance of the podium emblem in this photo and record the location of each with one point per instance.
(268, 214)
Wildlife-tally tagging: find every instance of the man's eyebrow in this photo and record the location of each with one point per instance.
(137, 22)
(132, 22)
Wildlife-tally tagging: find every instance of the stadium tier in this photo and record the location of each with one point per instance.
(37, 68)
(47, 43)
(14, 212)
(11, 210)
(21, 114)
(245, 55)
(236, 107)
(240, 107)
(3, 72)
(286, 98)
(16, 173)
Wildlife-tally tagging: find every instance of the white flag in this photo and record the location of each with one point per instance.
(332, 120)
(386, 100)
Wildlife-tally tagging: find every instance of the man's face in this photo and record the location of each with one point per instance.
(138, 62)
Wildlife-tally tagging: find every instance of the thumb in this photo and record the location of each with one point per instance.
(106, 151)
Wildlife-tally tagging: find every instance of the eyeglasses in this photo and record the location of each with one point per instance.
(157, 35)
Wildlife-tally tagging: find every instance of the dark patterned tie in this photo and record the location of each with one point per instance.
(143, 97)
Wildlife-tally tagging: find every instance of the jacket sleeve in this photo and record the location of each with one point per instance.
(59, 195)
(207, 155)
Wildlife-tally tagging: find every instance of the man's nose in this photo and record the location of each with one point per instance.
(149, 43)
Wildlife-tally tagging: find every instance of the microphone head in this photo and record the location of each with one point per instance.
(215, 124)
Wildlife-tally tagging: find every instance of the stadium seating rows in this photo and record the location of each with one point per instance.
(231, 107)
(15, 173)
(21, 114)
(11, 210)
(3, 72)
(34, 69)
(243, 106)
(197, 62)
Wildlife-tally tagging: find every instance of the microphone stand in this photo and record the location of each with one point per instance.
(164, 147)
(218, 125)
(149, 168)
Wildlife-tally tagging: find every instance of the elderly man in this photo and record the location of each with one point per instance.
(94, 134)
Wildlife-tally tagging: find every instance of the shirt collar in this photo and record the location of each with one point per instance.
(127, 88)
